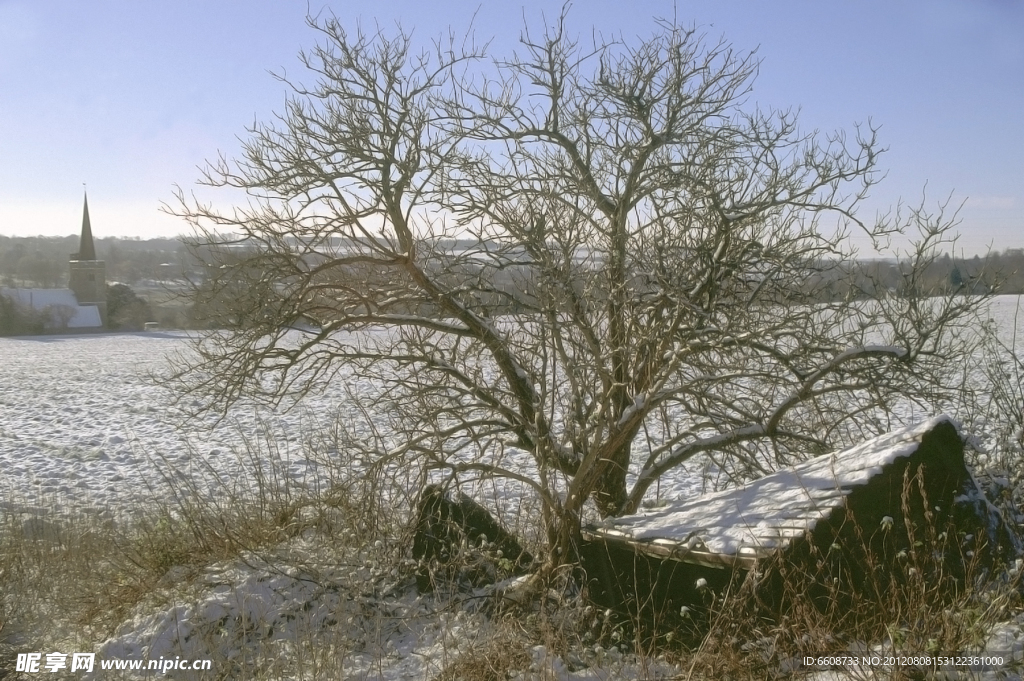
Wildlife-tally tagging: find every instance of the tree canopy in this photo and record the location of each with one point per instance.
(597, 254)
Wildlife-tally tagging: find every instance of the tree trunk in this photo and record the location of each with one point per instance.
(564, 541)
(610, 493)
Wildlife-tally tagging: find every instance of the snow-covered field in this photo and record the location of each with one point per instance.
(83, 424)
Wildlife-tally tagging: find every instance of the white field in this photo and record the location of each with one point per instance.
(86, 424)
(83, 423)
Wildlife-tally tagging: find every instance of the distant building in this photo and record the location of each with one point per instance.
(81, 306)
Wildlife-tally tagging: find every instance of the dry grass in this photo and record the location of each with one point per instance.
(69, 579)
(935, 597)
(504, 652)
(74, 578)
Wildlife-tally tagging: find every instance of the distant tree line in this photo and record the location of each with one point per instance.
(135, 264)
(997, 272)
(19, 320)
(132, 265)
(42, 262)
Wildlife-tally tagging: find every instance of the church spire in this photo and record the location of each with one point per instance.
(87, 278)
(86, 249)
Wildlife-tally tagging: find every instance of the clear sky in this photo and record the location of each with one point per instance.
(131, 96)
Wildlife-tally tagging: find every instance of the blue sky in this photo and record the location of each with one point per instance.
(129, 97)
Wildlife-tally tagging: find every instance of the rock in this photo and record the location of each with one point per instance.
(459, 540)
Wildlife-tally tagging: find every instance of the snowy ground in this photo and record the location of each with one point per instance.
(82, 424)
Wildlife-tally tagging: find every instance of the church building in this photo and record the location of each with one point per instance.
(83, 305)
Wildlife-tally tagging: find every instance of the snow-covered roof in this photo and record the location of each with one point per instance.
(739, 525)
(83, 317)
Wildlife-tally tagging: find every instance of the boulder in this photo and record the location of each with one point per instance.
(457, 539)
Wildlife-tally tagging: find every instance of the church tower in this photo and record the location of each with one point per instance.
(88, 280)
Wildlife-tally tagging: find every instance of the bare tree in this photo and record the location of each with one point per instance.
(600, 257)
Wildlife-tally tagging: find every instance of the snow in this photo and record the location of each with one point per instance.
(82, 424)
(383, 633)
(768, 513)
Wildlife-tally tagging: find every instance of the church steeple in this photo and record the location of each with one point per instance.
(86, 249)
(88, 276)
